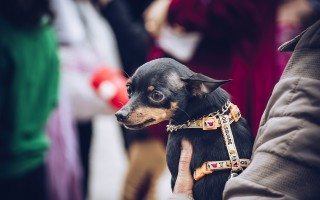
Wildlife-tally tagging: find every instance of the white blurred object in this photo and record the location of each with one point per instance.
(181, 45)
(87, 43)
(109, 163)
(164, 185)
(107, 90)
(99, 34)
(67, 23)
(108, 160)
(84, 101)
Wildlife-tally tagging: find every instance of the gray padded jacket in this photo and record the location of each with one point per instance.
(286, 155)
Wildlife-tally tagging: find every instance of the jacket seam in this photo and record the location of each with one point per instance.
(285, 113)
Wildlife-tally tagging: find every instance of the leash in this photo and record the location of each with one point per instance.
(214, 121)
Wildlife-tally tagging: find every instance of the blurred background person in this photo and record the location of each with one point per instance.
(313, 16)
(86, 43)
(292, 16)
(146, 149)
(28, 93)
(222, 39)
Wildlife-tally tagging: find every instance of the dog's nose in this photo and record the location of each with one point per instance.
(122, 115)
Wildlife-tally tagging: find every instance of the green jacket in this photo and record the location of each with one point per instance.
(29, 76)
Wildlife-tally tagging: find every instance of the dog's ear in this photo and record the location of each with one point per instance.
(199, 84)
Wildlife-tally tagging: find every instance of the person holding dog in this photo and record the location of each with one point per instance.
(285, 161)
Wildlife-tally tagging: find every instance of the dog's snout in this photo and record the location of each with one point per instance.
(122, 115)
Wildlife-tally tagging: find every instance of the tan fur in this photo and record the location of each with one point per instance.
(150, 88)
(129, 81)
(140, 115)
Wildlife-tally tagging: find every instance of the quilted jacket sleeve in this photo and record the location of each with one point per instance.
(286, 161)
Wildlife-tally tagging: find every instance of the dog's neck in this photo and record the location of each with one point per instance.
(197, 107)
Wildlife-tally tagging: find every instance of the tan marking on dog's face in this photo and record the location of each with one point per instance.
(140, 115)
(150, 88)
(174, 106)
(129, 81)
(144, 115)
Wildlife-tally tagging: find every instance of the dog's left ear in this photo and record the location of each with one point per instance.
(199, 84)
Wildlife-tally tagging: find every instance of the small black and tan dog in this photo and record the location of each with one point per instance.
(198, 110)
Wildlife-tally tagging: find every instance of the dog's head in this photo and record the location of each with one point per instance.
(159, 89)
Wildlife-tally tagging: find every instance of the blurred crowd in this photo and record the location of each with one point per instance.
(52, 51)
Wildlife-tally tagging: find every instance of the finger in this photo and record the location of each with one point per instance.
(185, 156)
(184, 181)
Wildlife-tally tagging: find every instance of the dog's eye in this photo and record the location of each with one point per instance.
(157, 96)
(129, 90)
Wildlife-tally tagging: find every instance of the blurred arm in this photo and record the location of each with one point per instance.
(218, 19)
(131, 36)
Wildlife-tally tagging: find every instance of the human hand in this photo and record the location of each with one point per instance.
(184, 182)
(155, 16)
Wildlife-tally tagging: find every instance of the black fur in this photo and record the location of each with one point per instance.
(194, 102)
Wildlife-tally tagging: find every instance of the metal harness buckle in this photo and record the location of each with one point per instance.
(232, 175)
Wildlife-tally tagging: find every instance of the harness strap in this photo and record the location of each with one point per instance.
(235, 163)
(212, 166)
(230, 144)
(214, 121)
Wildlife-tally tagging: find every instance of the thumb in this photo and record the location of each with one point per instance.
(184, 182)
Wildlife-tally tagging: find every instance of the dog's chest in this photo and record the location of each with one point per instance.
(207, 145)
